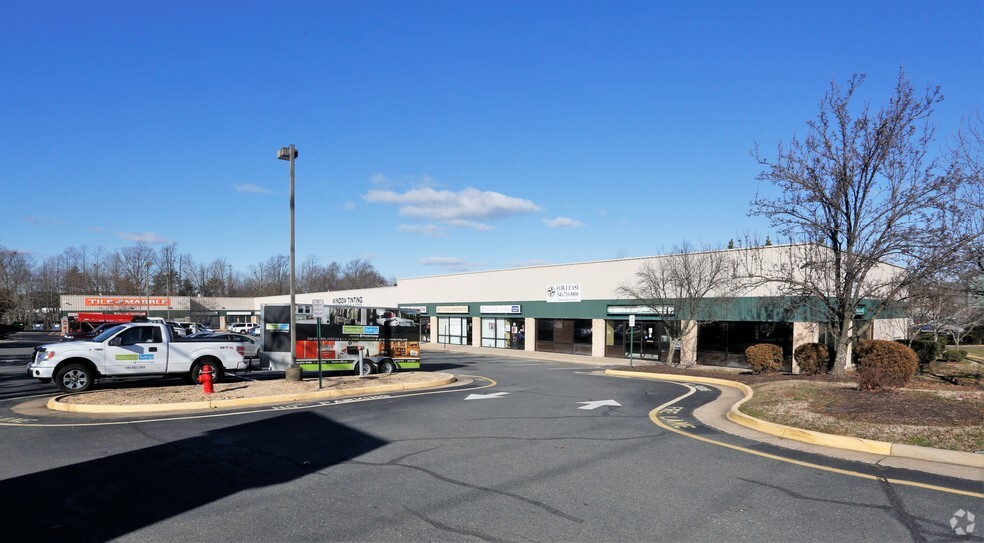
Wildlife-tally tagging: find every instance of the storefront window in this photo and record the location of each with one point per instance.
(504, 333)
(646, 341)
(571, 336)
(425, 329)
(724, 343)
(454, 330)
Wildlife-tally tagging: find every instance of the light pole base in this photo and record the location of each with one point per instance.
(293, 373)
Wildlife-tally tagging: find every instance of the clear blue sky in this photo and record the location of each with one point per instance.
(433, 137)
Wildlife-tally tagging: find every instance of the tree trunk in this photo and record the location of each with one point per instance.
(843, 342)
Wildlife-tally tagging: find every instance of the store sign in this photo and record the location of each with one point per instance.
(131, 301)
(347, 300)
(420, 309)
(508, 309)
(665, 310)
(360, 330)
(564, 292)
(452, 309)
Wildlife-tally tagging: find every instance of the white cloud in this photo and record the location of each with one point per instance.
(42, 221)
(429, 230)
(380, 180)
(146, 237)
(448, 263)
(563, 222)
(461, 223)
(445, 205)
(250, 188)
(348, 206)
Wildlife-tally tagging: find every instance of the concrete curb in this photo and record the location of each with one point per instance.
(56, 405)
(882, 448)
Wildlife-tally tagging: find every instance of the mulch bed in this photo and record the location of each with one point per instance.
(733, 374)
(849, 404)
(903, 407)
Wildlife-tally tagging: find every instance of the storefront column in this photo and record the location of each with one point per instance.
(688, 343)
(530, 344)
(803, 333)
(222, 322)
(476, 336)
(433, 329)
(598, 337)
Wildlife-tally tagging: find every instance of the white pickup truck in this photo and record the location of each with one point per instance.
(132, 350)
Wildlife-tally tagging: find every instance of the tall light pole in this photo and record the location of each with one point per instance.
(148, 289)
(289, 154)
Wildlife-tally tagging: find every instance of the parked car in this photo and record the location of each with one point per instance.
(177, 329)
(397, 321)
(250, 344)
(88, 334)
(243, 327)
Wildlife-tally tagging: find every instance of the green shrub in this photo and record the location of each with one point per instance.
(814, 358)
(954, 355)
(926, 348)
(884, 365)
(764, 357)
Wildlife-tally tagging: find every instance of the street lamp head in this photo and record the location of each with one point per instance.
(284, 153)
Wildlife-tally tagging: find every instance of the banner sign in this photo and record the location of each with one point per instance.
(509, 309)
(564, 292)
(452, 309)
(665, 310)
(360, 330)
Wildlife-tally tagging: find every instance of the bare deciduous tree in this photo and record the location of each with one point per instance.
(360, 273)
(683, 287)
(861, 191)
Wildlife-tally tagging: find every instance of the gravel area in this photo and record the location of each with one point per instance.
(230, 390)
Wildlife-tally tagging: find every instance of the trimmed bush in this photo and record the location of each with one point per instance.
(814, 358)
(954, 355)
(884, 365)
(927, 349)
(764, 357)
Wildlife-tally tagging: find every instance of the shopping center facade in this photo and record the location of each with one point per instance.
(577, 309)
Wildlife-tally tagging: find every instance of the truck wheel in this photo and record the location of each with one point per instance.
(387, 367)
(196, 369)
(74, 378)
(367, 368)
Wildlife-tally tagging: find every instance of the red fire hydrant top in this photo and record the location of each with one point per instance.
(205, 378)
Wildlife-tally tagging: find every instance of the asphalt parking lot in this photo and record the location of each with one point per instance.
(529, 450)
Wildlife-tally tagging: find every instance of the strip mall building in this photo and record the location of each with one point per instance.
(566, 308)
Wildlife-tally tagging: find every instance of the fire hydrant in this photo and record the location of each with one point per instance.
(205, 378)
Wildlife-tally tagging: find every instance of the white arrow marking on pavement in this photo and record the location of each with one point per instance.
(486, 396)
(599, 403)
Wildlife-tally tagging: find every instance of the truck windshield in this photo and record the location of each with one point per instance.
(108, 333)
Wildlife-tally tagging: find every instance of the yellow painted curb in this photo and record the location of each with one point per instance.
(56, 405)
(808, 436)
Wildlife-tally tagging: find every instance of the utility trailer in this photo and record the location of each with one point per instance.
(383, 348)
